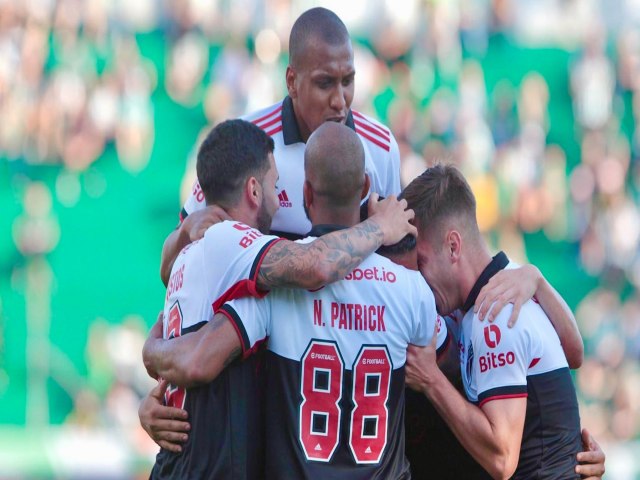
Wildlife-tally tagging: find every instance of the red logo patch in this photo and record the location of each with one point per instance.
(284, 199)
(492, 336)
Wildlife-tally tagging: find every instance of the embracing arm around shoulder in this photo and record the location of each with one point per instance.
(519, 285)
(190, 229)
(332, 256)
(194, 358)
(492, 434)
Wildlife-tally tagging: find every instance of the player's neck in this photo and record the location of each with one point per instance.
(329, 216)
(472, 265)
(241, 213)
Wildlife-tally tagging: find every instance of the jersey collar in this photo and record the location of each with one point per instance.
(319, 230)
(290, 130)
(497, 263)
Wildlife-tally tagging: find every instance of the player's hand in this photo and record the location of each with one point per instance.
(421, 367)
(155, 334)
(592, 459)
(516, 286)
(199, 221)
(393, 217)
(167, 426)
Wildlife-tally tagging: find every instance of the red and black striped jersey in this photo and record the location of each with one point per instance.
(382, 164)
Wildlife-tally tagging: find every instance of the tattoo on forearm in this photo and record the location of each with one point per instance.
(289, 264)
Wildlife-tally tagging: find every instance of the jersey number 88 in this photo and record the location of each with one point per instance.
(320, 411)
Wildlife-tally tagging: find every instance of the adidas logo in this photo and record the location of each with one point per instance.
(284, 199)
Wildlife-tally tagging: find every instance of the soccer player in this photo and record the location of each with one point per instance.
(335, 376)
(235, 259)
(320, 85)
(521, 420)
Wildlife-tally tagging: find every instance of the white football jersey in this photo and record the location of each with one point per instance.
(335, 369)
(527, 360)
(225, 413)
(382, 164)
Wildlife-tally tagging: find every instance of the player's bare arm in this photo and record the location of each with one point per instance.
(167, 426)
(491, 434)
(519, 285)
(194, 358)
(333, 256)
(190, 230)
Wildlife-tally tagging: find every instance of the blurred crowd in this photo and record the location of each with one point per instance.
(554, 152)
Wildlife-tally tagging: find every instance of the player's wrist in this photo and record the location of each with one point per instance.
(376, 229)
(432, 381)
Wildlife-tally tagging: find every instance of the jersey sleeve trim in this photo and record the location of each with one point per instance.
(255, 268)
(183, 214)
(233, 317)
(501, 393)
(247, 287)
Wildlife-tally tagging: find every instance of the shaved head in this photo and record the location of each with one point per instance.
(315, 25)
(334, 164)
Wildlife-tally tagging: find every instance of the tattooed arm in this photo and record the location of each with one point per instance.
(333, 256)
(194, 358)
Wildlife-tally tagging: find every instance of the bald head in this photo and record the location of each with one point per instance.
(315, 25)
(334, 164)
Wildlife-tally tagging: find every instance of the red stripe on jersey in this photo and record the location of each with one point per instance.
(264, 117)
(381, 130)
(534, 362)
(371, 129)
(373, 140)
(247, 287)
(274, 131)
(284, 196)
(264, 126)
(503, 397)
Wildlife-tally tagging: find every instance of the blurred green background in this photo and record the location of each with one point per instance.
(102, 105)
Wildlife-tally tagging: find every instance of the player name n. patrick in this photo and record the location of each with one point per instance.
(349, 316)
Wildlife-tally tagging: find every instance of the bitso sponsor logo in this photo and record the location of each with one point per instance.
(490, 361)
(492, 336)
(250, 235)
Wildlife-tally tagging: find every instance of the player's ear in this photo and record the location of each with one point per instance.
(253, 191)
(365, 187)
(290, 77)
(307, 193)
(454, 245)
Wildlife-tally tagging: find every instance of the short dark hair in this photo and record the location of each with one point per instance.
(405, 245)
(438, 194)
(318, 23)
(233, 151)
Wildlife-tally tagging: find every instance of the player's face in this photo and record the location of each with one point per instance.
(270, 204)
(321, 87)
(435, 267)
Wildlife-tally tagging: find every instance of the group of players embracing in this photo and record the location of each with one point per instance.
(321, 324)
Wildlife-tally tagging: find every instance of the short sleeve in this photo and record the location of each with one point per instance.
(194, 202)
(237, 251)
(251, 320)
(501, 356)
(393, 169)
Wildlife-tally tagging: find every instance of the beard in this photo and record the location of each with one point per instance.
(264, 219)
